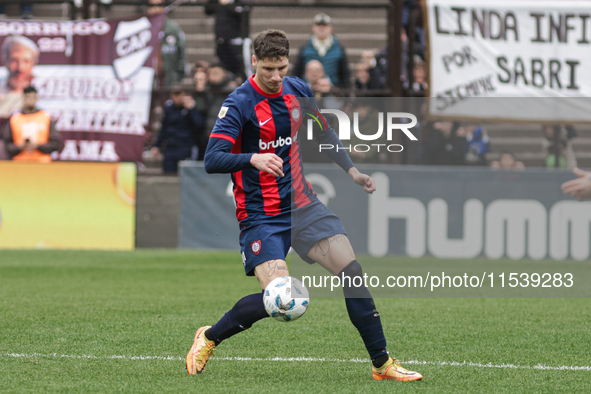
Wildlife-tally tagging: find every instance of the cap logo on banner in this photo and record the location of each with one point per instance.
(131, 47)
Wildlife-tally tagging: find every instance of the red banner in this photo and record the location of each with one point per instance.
(94, 77)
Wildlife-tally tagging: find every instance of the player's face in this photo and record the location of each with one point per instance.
(20, 66)
(270, 73)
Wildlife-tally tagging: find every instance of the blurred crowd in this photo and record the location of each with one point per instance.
(187, 97)
(322, 62)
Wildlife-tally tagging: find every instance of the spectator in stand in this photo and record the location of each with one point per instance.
(323, 90)
(419, 31)
(180, 132)
(327, 49)
(558, 146)
(507, 162)
(478, 145)
(447, 144)
(379, 63)
(364, 79)
(171, 58)
(232, 34)
(19, 55)
(30, 135)
(211, 95)
(314, 73)
(26, 10)
(200, 86)
(419, 86)
(376, 69)
(368, 123)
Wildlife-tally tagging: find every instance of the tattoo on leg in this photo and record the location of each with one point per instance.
(275, 265)
(337, 238)
(322, 247)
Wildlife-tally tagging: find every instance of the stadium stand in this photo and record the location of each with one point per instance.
(358, 29)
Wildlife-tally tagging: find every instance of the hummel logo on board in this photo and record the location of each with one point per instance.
(264, 123)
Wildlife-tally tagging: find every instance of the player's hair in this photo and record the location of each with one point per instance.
(21, 40)
(29, 89)
(271, 44)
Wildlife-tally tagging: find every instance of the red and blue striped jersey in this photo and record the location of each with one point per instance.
(252, 121)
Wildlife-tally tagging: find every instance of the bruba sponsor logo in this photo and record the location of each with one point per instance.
(279, 142)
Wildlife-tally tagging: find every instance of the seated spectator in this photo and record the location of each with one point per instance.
(323, 90)
(445, 146)
(507, 162)
(364, 79)
(368, 122)
(558, 146)
(478, 145)
(180, 131)
(419, 86)
(200, 84)
(212, 87)
(376, 69)
(314, 73)
(327, 49)
(30, 135)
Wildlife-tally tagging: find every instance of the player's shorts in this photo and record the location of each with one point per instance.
(271, 241)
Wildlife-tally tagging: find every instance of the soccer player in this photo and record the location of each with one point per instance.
(255, 139)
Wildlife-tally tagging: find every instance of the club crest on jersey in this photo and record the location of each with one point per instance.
(295, 114)
(223, 112)
(256, 247)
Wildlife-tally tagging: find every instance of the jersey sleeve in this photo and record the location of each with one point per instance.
(338, 155)
(229, 122)
(226, 131)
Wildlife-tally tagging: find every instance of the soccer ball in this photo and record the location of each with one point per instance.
(286, 299)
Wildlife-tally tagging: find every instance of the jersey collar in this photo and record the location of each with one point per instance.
(261, 91)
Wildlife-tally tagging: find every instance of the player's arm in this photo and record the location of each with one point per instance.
(219, 157)
(339, 154)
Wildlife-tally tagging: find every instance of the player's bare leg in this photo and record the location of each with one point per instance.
(270, 270)
(336, 255)
(242, 316)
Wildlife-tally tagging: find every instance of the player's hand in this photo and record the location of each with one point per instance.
(369, 185)
(579, 188)
(268, 162)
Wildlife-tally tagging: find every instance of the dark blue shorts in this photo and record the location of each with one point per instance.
(301, 230)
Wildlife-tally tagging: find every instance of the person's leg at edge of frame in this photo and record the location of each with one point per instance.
(242, 316)
(336, 255)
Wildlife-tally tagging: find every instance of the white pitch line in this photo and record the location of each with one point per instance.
(309, 359)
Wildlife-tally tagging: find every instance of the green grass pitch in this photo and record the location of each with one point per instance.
(79, 321)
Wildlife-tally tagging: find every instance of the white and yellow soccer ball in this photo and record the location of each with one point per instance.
(286, 299)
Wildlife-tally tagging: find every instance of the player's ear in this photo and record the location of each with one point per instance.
(254, 61)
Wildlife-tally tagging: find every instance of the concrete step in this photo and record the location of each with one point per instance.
(41, 11)
(308, 13)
